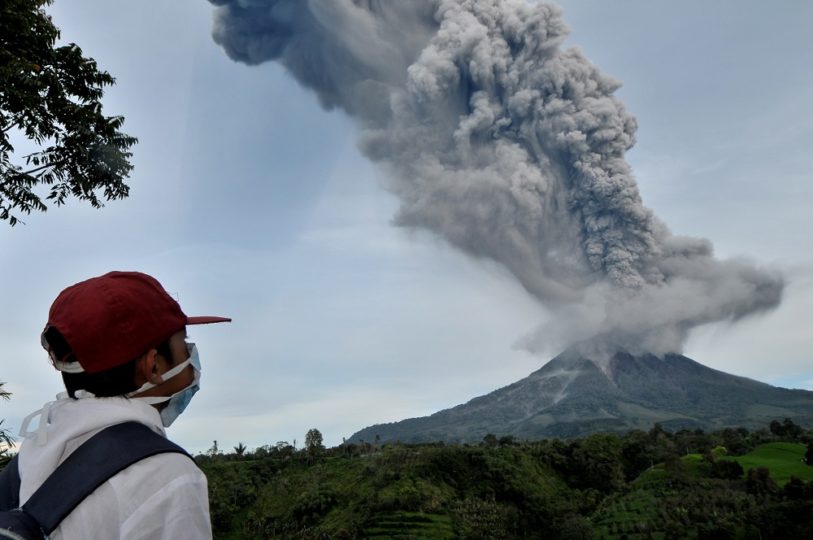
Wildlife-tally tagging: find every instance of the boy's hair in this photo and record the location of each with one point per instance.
(112, 382)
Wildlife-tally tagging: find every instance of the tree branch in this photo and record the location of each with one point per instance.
(41, 167)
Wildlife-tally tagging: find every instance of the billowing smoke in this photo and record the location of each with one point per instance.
(510, 148)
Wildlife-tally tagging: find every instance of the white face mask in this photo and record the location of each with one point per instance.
(179, 400)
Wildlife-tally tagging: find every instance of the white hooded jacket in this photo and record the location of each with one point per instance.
(161, 497)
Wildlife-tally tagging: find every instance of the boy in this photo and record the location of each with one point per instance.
(119, 341)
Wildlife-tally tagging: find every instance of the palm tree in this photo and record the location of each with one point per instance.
(240, 449)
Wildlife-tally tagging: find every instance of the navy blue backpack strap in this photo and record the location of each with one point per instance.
(10, 486)
(100, 458)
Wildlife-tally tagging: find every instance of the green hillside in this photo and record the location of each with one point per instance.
(682, 498)
(784, 460)
(423, 492)
(671, 502)
(653, 484)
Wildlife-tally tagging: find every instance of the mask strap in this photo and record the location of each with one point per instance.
(152, 400)
(164, 378)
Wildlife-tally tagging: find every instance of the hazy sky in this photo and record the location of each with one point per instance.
(250, 201)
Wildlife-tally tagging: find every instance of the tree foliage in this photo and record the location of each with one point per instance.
(787, 429)
(726, 469)
(313, 441)
(52, 96)
(6, 440)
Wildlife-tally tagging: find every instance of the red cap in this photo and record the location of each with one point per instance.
(112, 319)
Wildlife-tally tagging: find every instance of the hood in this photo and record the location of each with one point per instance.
(65, 424)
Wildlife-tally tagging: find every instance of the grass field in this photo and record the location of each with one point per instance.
(782, 459)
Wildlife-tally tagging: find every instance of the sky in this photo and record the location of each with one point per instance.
(249, 200)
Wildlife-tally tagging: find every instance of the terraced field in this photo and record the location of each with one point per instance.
(411, 525)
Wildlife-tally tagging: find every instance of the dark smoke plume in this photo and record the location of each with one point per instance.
(510, 148)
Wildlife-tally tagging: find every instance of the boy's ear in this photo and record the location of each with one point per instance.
(147, 369)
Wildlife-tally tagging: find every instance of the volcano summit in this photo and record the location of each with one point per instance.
(574, 395)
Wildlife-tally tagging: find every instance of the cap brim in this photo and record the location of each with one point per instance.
(206, 320)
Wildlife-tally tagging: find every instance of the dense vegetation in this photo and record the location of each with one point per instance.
(656, 484)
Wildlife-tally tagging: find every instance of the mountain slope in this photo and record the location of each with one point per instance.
(573, 395)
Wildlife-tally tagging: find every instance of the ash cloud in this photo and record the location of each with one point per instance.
(510, 148)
